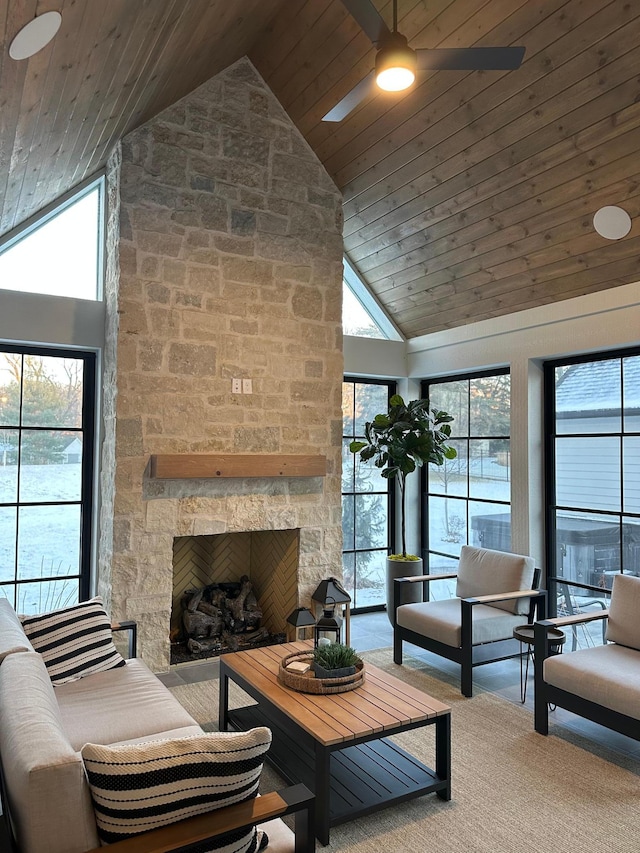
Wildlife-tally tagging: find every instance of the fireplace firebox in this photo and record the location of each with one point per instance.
(231, 591)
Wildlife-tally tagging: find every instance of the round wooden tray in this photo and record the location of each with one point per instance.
(308, 683)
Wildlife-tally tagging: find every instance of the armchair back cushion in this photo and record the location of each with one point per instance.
(137, 787)
(623, 626)
(482, 571)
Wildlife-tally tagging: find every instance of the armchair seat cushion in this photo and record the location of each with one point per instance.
(440, 620)
(606, 675)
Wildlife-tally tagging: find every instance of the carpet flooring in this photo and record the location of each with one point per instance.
(513, 791)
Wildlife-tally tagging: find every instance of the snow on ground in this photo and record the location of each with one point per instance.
(48, 542)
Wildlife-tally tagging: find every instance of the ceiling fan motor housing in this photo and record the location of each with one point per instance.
(395, 55)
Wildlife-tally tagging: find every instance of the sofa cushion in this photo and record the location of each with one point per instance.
(623, 625)
(607, 675)
(12, 635)
(144, 786)
(441, 620)
(119, 705)
(482, 571)
(47, 789)
(74, 642)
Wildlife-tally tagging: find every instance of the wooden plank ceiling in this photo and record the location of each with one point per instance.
(470, 197)
(113, 65)
(473, 195)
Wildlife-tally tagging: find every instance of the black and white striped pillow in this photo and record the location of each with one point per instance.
(143, 786)
(74, 642)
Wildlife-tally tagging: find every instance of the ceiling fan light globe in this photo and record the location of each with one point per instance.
(396, 64)
(395, 79)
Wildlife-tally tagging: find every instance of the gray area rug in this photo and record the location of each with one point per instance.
(513, 791)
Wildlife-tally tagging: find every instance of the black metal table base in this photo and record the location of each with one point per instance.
(524, 634)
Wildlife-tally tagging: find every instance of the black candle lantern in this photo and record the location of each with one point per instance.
(327, 628)
(301, 619)
(329, 594)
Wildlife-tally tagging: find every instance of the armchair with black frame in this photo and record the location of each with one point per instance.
(600, 683)
(495, 592)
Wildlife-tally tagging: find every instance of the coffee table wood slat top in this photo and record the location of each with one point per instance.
(405, 700)
(321, 723)
(261, 670)
(381, 703)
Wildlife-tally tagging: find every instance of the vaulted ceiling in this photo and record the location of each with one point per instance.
(469, 197)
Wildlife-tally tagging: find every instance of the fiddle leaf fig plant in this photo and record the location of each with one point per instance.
(403, 439)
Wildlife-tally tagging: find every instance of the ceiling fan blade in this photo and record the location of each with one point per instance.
(369, 19)
(352, 99)
(470, 58)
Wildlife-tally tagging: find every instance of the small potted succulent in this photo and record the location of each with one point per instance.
(334, 660)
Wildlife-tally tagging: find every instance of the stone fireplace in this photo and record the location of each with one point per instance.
(224, 261)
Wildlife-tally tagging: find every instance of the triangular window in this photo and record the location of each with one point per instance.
(60, 253)
(361, 315)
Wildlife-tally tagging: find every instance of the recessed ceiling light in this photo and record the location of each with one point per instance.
(35, 35)
(612, 222)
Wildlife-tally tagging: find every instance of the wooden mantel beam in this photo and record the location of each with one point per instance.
(183, 466)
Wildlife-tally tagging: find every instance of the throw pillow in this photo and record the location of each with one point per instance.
(74, 642)
(143, 786)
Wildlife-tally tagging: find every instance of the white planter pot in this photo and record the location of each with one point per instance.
(403, 569)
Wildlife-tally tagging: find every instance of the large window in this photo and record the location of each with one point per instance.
(593, 472)
(47, 402)
(366, 498)
(467, 500)
(60, 254)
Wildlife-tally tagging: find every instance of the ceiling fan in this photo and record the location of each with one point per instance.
(396, 63)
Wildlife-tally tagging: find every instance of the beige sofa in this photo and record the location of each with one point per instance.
(43, 728)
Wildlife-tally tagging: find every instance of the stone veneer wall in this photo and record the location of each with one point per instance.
(228, 264)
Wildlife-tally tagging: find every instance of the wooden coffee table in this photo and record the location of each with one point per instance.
(337, 744)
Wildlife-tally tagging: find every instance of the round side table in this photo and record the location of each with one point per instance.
(524, 633)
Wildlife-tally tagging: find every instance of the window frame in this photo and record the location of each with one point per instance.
(550, 436)
(40, 219)
(425, 386)
(352, 280)
(391, 386)
(86, 501)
